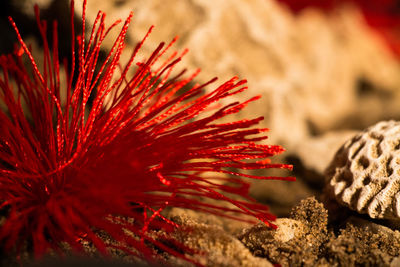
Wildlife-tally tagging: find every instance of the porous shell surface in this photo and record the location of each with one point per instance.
(365, 173)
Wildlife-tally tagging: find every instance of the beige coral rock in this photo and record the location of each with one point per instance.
(221, 249)
(365, 173)
(323, 149)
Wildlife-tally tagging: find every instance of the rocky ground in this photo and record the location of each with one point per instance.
(323, 78)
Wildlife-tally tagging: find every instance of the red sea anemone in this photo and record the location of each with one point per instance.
(70, 169)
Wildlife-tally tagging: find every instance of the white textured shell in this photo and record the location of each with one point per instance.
(365, 173)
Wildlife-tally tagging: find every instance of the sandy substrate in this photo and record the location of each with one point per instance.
(306, 238)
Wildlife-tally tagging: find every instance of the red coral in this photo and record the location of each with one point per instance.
(68, 171)
(381, 15)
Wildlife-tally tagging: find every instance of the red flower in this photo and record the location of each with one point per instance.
(68, 171)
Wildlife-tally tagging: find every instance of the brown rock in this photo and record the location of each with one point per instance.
(298, 239)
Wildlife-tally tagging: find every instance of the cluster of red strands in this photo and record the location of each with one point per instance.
(68, 171)
(381, 15)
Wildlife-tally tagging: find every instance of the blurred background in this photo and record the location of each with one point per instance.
(325, 69)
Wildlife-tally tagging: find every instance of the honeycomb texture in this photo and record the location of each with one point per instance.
(365, 173)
